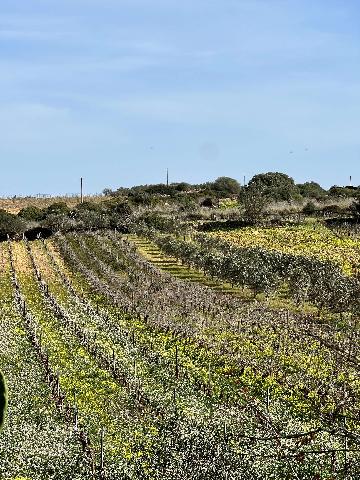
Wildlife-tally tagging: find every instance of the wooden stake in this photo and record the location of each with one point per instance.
(102, 450)
(176, 362)
(345, 449)
(76, 418)
(209, 377)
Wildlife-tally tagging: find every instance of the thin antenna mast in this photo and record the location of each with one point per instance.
(167, 177)
(81, 190)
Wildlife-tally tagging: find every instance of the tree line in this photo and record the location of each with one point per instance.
(160, 204)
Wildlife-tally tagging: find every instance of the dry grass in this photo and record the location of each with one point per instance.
(15, 204)
(297, 206)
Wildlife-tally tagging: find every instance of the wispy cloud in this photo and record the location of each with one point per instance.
(109, 76)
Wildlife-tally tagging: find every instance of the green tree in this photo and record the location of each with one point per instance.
(226, 186)
(343, 192)
(107, 192)
(311, 190)
(309, 208)
(31, 213)
(10, 224)
(254, 202)
(275, 186)
(57, 208)
(88, 206)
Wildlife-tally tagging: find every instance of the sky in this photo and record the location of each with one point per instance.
(117, 91)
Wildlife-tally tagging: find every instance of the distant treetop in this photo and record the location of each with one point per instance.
(275, 186)
(227, 185)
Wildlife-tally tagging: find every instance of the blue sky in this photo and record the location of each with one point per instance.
(116, 91)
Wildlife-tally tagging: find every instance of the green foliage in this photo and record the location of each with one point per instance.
(332, 210)
(311, 190)
(156, 221)
(31, 213)
(90, 206)
(309, 279)
(342, 192)
(181, 187)
(275, 186)
(309, 208)
(10, 224)
(206, 381)
(3, 399)
(58, 222)
(141, 198)
(57, 208)
(120, 208)
(207, 202)
(107, 192)
(254, 203)
(355, 208)
(226, 186)
(227, 203)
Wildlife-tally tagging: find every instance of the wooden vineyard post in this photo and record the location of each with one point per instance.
(345, 449)
(76, 418)
(333, 461)
(102, 453)
(57, 385)
(268, 399)
(176, 362)
(75, 412)
(209, 378)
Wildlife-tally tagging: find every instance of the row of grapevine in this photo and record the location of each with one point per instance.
(307, 279)
(167, 379)
(36, 442)
(322, 363)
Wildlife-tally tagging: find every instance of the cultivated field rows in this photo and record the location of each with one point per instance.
(149, 376)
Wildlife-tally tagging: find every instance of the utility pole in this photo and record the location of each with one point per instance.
(167, 177)
(81, 190)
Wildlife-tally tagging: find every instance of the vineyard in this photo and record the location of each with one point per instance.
(313, 241)
(141, 357)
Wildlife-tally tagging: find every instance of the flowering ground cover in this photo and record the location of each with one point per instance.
(309, 240)
(36, 442)
(150, 376)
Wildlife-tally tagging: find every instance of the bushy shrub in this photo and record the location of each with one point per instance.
(31, 213)
(10, 225)
(309, 208)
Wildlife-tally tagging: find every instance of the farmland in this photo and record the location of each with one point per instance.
(308, 240)
(138, 357)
